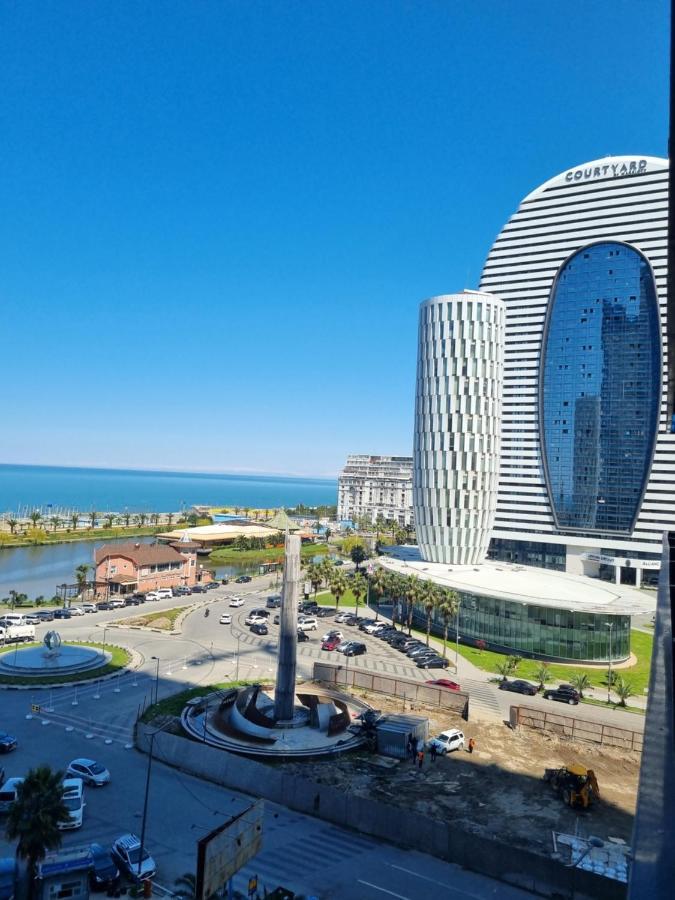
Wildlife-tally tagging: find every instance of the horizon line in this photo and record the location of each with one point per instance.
(251, 473)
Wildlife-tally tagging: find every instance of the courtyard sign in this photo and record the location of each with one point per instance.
(609, 170)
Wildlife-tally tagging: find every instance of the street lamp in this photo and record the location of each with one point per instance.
(104, 631)
(156, 677)
(459, 609)
(609, 664)
(147, 787)
(236, 677)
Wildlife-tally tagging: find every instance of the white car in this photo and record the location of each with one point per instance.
(76, 610)
(236, 601)
(307, 624)
(73, 799)
(333, 633)
(225, 619)
(453, 739)
(126, 851)
(89, 607)
(253, 619)
(89, 771)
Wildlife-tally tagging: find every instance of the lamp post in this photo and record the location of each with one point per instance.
(609, 663)
(236, 677)
(147, 788)
(104, 631)
(459, 609)
(156, 658)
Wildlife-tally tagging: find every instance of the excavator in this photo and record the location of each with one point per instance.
(576, 784)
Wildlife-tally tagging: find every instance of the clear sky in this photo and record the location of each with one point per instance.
(217, 219)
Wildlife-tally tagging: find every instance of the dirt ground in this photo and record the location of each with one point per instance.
(497, 791)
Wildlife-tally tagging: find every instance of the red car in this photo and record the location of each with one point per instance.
(331, 643)
(446, 683)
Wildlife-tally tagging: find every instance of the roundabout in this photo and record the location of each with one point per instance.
(54, 662)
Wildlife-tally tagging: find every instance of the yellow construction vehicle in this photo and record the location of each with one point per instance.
(576, 784)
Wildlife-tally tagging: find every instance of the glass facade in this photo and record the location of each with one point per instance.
(537, 631)
(529, 553)
(600, 388)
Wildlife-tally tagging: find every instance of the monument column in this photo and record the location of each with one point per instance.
(284, 693)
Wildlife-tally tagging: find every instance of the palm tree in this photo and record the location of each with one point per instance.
(379, 582)
(109, 519)
(92, 519)
(314, 576)
(143, 518)
(75, 520)
(12, 524)
(503, 667)
(326, 566)
(429, 597)
(359, 588)
(581, 682)
(448, 607)
(34, 817)
(623, 689)
(411, 592)
(338, 586)
(35, 517)
(127, 518)
(55, 522)
(358, 555)
(169, 519)
(81, 573)
(186, 886)
(542, 674)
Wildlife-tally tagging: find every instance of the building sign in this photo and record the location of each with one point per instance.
(608, 170)
(621, 561)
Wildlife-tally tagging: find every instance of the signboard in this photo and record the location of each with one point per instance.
(620, 561)
(35, 707)
(227, 849)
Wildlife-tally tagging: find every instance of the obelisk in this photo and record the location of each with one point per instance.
(284, 693)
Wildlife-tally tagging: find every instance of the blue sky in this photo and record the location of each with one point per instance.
(217, 219)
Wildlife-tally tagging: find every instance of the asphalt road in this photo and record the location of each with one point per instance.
(299, 852)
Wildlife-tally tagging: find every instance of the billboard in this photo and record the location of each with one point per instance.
(225, 850)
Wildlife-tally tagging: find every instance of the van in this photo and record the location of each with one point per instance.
(164, 593)
(274, 601)
(8, 794)
(73, 798)
(12, 619)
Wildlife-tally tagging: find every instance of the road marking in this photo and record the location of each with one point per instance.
(442, 884)
(384, 890)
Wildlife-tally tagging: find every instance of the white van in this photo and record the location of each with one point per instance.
(164, 593)
(73, 797)
(12, 619)
(8, 794)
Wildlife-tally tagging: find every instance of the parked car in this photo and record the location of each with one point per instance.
(126, 852)
(7, 742)
(252, 619)
(8, 793)
(324, 612)
(236, 602)
(100, 606)
(181, 590)
(225, 619)
(116, 602)
(32, 619)
(453, 739)
(89, 607)
(333, 632)
(103, 874)
(445, 683)
(152, 597)
(198, 588)
(45, 615)
(338, 562)
(261, 611)
(518, 686)
(89, 771)
(565, 693)
(302, 636)
(73, 799)
(277, 619)
(243, 579)
(140, 596)
(342, 617)
(62, 613)
(330, 643)
(260, 627)
(76, 610)
(355, 649)
(433, 662)
(131, 601)
(366, 623)
(211, 585)
(307, 623)
(309, 606)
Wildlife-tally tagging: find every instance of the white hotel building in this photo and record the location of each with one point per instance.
(372, 486)
(587, 473)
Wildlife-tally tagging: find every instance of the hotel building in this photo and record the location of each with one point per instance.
(372, 486)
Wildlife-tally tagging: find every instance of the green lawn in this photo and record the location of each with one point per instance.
(232, 556)
(173, 706)
(120, 659)
(81, 534)
(638, 675)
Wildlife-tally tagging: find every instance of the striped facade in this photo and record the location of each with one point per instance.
(620, 199)
(457, 425)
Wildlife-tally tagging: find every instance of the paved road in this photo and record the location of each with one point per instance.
(303, 854)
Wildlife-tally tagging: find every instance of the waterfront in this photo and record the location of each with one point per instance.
(117, 490)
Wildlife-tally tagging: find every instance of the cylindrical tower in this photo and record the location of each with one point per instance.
(458, 401)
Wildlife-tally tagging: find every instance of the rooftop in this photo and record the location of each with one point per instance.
(220, 532)
(525, 584)
(141, 554)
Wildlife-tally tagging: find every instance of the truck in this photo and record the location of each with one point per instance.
(10, 634)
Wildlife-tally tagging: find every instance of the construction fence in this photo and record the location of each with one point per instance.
(576, 729)
(406, 688)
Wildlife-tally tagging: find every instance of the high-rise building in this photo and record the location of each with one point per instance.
(457, 425)
(587, 474)
(373, 486)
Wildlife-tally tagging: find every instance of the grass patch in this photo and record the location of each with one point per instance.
(120, 659)
(173, 706)
(166, 619)
(638, 675)
(83, 534)
(232, 556)
(634, 709)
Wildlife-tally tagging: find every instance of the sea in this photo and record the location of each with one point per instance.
(56, 488)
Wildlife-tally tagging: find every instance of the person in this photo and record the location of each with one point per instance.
(413, 750)
(206, 613)
(409, 746)
(472, 744)
(420, 757)
(432, 752)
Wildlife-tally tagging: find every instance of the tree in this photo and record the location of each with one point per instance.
(581, 682)
(338, 586)
(542, 674)
(314, 576)
(359, 588)
(186, 886)
(127, 518)
(75, 520)
(35, 517)
(92, 519)
(327, 534)
(429, 598)
(143, 518)
(623, 689)
(448, 608)
(36, 535)
(81, 573)
(503, 667)
(109, 519)
(379, 581)
(514, 662)
(412, 595)
(34, 817)
(55, 522)
(358, 555)
(326, 568)
(154, 518)
(192, 519)
(169, 519)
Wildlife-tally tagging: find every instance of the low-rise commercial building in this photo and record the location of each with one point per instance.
(127, 568)
(373, 486)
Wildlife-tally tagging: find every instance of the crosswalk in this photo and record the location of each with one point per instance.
(291, 863)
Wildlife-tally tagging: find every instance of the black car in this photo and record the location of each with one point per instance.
(62, 614)
(140, 596)
(198, 589)
(243, 579)
(259, 628)
(7, 743)
(309, 606)
(433, 662)
(103, 873)
(518, 687)
(104, 605)
(302, 636)
(45, 615)
(182, 590)
(277, 619)
(212, 585)
(565, 693)
(356, 649)
(324, 612)
(131, 601)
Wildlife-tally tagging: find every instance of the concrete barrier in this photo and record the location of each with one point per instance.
(504, 862)
(577, 729)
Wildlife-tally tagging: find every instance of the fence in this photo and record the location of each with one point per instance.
(407, 688)
(577, 729)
